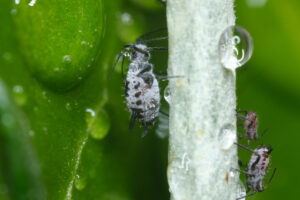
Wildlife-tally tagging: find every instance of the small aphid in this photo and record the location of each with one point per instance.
(141, 85)
(250, 125)
(256, 169)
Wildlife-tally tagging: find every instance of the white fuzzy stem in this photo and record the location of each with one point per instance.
(202, 104)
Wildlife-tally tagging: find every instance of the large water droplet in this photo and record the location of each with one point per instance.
(167, 94)
(235, 47)
(98, 123)
(19, 95)
(80, 182)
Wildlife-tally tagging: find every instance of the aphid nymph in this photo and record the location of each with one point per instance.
(141, 85)
(256, 169)
(250, 125)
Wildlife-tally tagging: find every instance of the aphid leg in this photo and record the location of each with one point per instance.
(154, 39)
(118, 58)
(139, 39)
(245, 147)
(157, 48)
(167, 77)
(241, 171)
(145, 131)
(271, 178)
(122, 68)
(246, 196)
(162, 2)
(163, 113)
(132, 120)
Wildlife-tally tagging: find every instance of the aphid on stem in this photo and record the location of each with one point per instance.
(256, 169)
(250, 125)
(141, 85)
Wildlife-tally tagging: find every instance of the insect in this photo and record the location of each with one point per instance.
(256, 169)
(250, 125)
(141, 84)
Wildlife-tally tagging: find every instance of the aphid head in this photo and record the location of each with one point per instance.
(269, 150)
(140, 52)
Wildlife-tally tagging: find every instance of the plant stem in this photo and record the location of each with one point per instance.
(203, 103)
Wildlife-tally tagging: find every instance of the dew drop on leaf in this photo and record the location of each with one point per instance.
(235, 47)
(80, 182)
(98, 123)
(19, 95)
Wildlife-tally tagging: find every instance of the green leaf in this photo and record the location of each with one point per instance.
(70, 137)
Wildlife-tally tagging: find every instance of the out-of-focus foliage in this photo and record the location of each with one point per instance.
(64, 125)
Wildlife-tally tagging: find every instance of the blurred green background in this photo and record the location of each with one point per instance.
(64, 126)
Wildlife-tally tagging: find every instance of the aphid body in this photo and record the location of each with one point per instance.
(257, 168)
(141, 87)
(250, 125)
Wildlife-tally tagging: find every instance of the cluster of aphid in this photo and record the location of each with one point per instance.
(143, 102)
(259, 162)
(141, 84)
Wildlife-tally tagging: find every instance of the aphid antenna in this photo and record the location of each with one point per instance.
(245, 147)
(246, 196)
(117, 60)
(132, 121)
(242, 111)
(139, 39)
(167, 77)
(270, 179)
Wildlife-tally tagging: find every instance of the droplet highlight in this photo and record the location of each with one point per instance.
(167, 94)
(235, 47)
(98, 123)
(80, 182)
(67, 59)
(19, 95)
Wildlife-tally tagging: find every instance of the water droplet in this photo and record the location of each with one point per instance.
(256, 3)
(80, 182)
(67, 59)
(167, 94)
(31, 133)
(7, 120)
(227, 136)
(80, 31)
(83, 43)
(13, 12)
(17, 2)
(7, 56)
(235, 47)
(126, 18)
(98, 123)
(19, 95)
(185, 162)
(68, 106)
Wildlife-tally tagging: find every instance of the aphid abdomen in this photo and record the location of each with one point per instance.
(258, 166)
(142, 98)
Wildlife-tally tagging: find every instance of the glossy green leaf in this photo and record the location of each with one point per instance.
(70, 139)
